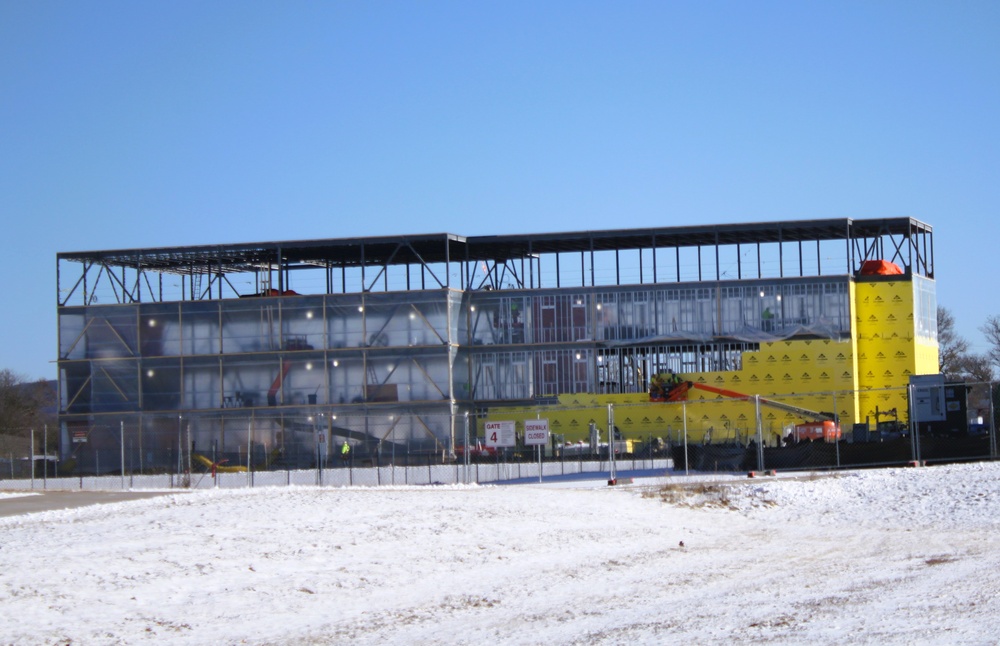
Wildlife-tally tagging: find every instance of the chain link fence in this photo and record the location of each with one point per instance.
(708, 430)
(833, 429)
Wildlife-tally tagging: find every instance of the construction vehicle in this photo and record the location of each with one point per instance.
(478, 452)
(670, 387)
(272, 393)
(819, 431)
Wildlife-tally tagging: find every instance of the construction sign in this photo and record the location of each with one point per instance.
(500, 434)
(536, 432)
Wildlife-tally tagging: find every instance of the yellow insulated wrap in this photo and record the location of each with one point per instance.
(888, 350)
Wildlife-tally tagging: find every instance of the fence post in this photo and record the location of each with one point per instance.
(539, 447)
(250, 451)
(684, 415)
(612, 471)
(760, 434)
(180, 454)
(121, 440)
(32, 454)
(993, 429)
(914, 428)
(839, 431)
(465, 450)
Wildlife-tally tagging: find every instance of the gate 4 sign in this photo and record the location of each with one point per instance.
(536, 432)
(500, 434)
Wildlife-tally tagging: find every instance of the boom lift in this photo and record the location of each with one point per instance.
(669, 387)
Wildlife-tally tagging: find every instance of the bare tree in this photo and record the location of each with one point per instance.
(24, 405)
(975, 368)
(977, 372)
(952, 348)
(991, 330)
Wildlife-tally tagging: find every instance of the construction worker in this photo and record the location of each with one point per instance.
(767, 320)
(345, 451)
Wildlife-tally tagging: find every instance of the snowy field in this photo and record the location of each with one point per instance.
(902, 556)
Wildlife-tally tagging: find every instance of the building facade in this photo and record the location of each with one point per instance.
(392, 344)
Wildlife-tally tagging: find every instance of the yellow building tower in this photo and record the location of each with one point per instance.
(890, 345)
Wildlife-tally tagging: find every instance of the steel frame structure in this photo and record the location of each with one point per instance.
(435, 261)
(417, 330)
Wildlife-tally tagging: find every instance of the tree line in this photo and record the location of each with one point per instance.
(26, 406)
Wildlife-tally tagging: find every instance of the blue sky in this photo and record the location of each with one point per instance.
(143, 124)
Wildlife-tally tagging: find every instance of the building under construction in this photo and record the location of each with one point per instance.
(394, 342)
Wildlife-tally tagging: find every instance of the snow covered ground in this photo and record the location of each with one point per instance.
(897, 556)
(18, 494)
